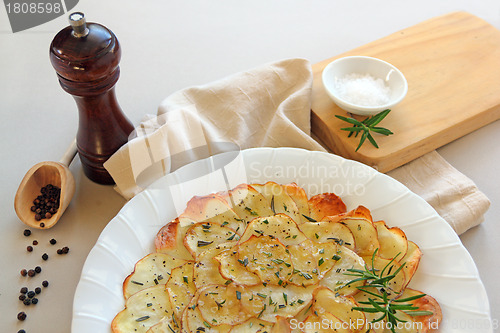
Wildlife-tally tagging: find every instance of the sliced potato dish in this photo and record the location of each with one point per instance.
(266, 258)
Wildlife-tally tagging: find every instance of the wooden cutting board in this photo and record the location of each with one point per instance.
(452, 65)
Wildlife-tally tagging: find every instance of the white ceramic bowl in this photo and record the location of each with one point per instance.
(376, 68)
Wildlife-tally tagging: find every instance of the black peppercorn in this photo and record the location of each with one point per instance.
(24, 290)
(22, 297)
(27, 232)
(21, 331)
(42, 225)
(30, 294)
(24, 272)
(34, 300)
(38, 269)
(31, 273)
(65, 249)
(53, 241)
(21, 316)
(45, 284)
(45, 256)
(27, 301)
(59, 251)
(29, 248)
(38, 290)
(35, 242)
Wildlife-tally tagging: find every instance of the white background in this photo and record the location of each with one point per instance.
(169, 45)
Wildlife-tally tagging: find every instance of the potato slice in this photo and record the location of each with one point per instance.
(181, 287)
(299, 196)
(305, 264)
(393, 241)
(270, 301)
(278, 199)
(281, 325)
(143, 310)
(212, 208)
(266, 257)
(365, 234)
(325, 255)
(204, 236)
(193, 321)
(385, 267)
(324, 323)
(326, 204)
(279, 226)
(206, 269)
(253, 325)
(167, 324)
(336, 279)
(327, 301)
(247, 202)
(170, 240)
(426, 303)
(220, 304)
(326, 231)
(151, 270)
(411, 260)
(231, 269)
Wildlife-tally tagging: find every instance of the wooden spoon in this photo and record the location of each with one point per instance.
(40, 175)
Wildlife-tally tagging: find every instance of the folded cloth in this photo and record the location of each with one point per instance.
(268, 106)
(453, 195)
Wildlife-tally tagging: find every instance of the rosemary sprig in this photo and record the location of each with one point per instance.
(385, 300)
(366, 126)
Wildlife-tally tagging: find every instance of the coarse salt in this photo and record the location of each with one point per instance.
(363, 89)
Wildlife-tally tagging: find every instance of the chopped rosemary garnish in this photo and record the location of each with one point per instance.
(310, 219)
(261, 295)
(385, 300)
(138, 283)
(238, 295)
(204, 243)
(321, 261)
(185, 279)
(365, 126)
(142, 318)
(272, 205)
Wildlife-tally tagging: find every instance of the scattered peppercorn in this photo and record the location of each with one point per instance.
(29, 248)
(35, 242)
(42, 225)
(21, 331)
(53, 241)
(24, 290)
(30, 294)
(45, 284)
(22, 297)
(45, 256)
(38, 290)
(21, 316)
(65, 249)
(24, 272)
(34, 300)
(59, 251)
(27, 232)
(27, 301)
(31, 273)
(38, 269)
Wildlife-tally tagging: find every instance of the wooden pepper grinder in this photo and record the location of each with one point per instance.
(85, 57)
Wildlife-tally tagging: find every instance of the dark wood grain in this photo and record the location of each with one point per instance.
(87, 68)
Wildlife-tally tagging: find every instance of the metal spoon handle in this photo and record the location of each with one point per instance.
(69, 154)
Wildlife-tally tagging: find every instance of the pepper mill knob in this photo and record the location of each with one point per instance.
(85, 57)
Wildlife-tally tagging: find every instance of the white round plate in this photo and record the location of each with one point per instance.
(446, 272)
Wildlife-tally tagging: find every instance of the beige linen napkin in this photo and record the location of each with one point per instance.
(268, 106)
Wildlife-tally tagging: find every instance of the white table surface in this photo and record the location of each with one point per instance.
(169, 45)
